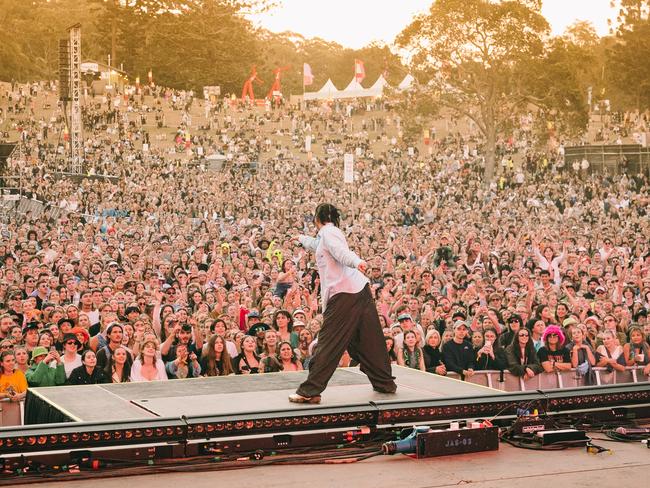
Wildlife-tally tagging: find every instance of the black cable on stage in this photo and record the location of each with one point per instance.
(109, 468)
(586, 422)
(625, 437)
(529, 443)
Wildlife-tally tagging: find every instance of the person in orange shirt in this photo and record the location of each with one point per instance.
(13, 384)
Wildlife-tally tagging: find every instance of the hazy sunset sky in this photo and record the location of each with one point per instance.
(355, 23)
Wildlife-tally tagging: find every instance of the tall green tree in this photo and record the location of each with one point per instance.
(557, 85)
(209, 44)
(30, 33)
(468, 52)
(627, 68)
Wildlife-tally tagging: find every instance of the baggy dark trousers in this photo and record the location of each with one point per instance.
(350, 322)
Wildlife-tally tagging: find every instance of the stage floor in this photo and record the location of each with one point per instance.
(243, 394)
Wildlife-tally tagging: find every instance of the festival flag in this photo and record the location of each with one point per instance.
(359, 70)
(307, 76)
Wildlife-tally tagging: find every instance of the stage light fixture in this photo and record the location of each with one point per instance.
(66, 435)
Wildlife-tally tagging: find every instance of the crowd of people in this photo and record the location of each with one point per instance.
(173, 270)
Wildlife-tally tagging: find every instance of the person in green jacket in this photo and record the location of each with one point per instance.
(42, 372)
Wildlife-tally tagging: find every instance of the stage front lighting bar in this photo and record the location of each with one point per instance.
(309, 418)
(85, 435)
(549, 401)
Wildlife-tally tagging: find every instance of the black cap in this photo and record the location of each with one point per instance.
(31, 325)
(458, 313)
(516, 318)
(131, 309)
(258, 327)
(65, 320)
(72, 337)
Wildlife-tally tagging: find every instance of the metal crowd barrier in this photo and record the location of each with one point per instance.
(36, 209)
(506, 381)
(11, 413)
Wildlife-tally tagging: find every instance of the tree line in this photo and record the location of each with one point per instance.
(192, 43)
(493, 62)
(185, 44)
(489, 61)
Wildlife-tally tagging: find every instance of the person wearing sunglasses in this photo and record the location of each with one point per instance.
(71, 357)
(521, 356)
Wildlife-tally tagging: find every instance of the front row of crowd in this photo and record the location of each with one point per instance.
(66, 354)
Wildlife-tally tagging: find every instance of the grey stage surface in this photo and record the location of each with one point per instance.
(242, 394)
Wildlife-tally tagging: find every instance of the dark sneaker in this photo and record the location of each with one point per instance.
(389, 391)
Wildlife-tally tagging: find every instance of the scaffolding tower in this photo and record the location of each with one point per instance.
(76, 137)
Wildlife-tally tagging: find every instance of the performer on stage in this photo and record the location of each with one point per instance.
(350, 316)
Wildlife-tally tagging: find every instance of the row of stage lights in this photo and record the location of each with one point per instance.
(72, 436)
(184, 430)
(549, 402)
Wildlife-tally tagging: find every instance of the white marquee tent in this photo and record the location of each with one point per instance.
(355, 90)
(377, 89)
(406, 83)
(325, 93)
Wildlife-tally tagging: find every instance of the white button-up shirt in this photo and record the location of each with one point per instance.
(337, 265)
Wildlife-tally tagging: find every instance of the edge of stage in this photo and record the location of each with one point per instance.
(180, 415)
(232, 396)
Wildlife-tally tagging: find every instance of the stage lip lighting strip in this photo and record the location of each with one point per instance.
(308, 418)
(549, 401)
(74, 436)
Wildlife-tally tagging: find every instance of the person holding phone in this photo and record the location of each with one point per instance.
(350, 321)
(637, 351)
(13, 384)
(47, 368)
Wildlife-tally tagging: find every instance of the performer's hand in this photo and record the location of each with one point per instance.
(362, 266)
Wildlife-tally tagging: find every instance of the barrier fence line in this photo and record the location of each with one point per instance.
(506, 381)
(11, 413)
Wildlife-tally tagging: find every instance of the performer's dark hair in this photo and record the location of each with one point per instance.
(326, 212)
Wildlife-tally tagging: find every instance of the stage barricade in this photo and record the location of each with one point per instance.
(548, 381)
(606, 377)
(481, 379)
(551, 381)
(569, 379)
(627, 376)
(10, 413)
(512, 382)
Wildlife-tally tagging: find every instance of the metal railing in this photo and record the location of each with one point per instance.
(11, 413)
(610, 158)
(506, 381)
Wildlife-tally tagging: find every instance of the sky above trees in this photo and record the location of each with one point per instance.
(356, 23)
